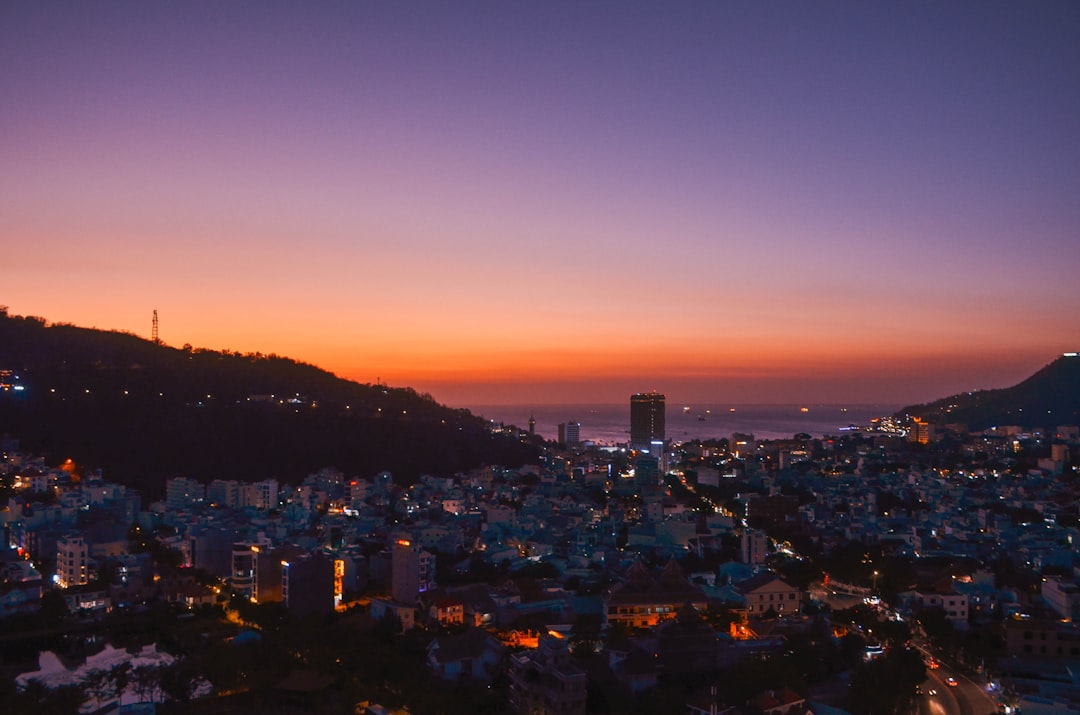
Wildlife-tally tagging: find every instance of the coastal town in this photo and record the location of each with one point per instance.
(723, 576)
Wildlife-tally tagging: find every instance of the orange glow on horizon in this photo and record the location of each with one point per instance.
(478, 362)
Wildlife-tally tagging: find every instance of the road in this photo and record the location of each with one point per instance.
(965, 698)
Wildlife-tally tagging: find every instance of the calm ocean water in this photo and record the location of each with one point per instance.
(610, 424)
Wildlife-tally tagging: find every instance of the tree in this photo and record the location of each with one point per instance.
(936, 625)
(180, 680)
(886, 685)
(388, 626)
(146, 684)
(54, 608)
(37, 699)
(585, 635)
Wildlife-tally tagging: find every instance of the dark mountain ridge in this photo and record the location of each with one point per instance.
(1048, 398)
(144, 412)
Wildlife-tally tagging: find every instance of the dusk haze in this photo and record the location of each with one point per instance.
(557, 202)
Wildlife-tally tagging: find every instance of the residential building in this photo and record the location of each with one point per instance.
(641, 601)
(547, 681)
(474, 655)
(955, 605)
(307, 584)
(447, 611)
(1062, 596)
(1041, 637)
(72, 561)
(181, 492)
(775, 509)
(244, 577)
(767, 591)
(755, 546)
(412, 572)
(20, 586)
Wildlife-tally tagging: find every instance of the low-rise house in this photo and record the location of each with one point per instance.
(633, 668)
(405, 613)
(20, 587)
(446, 611)
(641, 601)
(1062, 596)
(546, 681)
(1041, 638)
(87, 600)
(473, 655)
(766, 592)
(955, 605)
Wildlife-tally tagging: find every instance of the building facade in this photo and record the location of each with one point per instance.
(642, 601)
(412, 572)
(72, 562)
(646, 419)
(766, 592)
(547, 681)
(755, 546)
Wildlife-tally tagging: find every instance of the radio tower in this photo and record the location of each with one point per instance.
(154, 333)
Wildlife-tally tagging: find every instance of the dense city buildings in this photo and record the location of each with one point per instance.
(605, 572)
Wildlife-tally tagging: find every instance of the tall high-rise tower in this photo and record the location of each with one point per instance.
(646, 419)
(570, 434)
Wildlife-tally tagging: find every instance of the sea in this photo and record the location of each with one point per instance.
(610, 424)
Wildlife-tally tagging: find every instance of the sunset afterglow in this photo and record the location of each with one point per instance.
(557, 202)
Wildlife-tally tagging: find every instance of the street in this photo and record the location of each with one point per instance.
(964, 698)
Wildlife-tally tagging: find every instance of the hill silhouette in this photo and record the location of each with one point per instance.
(145, 412)
(1048, 398)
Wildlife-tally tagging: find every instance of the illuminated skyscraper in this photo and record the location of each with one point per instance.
(646, 419)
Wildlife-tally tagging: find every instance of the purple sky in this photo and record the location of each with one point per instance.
(505, 202)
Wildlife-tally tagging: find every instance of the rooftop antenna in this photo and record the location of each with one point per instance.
(154, 333)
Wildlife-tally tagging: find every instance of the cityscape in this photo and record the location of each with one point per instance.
(736, 575)
(560, 358)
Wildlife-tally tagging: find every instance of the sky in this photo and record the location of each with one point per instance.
(545, 202)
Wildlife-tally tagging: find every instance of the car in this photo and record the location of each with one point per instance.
(933, 664)
(951, 682)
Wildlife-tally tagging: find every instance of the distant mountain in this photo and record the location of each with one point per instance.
(1048, 398)
(144, 412)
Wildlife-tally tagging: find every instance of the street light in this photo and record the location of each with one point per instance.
(875, 581)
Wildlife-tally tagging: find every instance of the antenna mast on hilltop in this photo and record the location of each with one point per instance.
(154, 332)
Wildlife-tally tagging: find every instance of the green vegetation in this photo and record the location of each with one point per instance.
(1051, 396)
(145, 412)
(887, 685)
